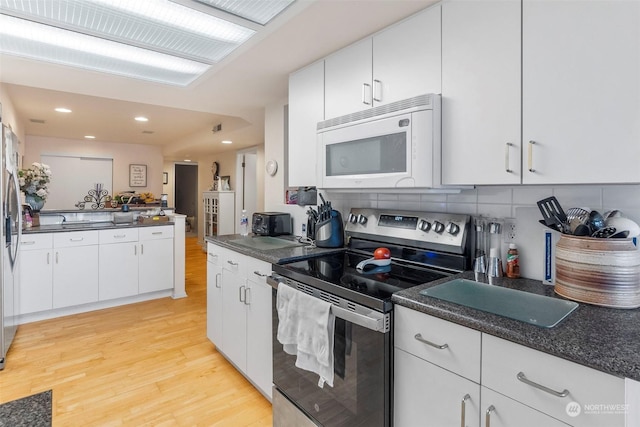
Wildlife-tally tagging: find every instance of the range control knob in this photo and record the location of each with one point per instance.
(352, 218)
(362, 219)
(438, 227)
(452, 228)
(424, 225)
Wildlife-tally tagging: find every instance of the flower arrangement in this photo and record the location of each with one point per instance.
(33, 181)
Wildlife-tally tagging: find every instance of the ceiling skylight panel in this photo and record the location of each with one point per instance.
(259, 11)
(31, 40)
(155, 24)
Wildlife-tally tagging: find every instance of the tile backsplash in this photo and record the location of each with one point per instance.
(518, 202)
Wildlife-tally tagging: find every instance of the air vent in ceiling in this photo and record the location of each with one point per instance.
(147, 131)
(38, 121)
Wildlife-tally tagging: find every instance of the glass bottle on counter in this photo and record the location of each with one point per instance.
(513, 264)
(244, 223)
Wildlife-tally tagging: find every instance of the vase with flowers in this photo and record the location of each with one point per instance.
(34, 184)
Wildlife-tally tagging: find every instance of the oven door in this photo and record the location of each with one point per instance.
(361, 394)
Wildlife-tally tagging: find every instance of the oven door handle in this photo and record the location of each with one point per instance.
(374, 324)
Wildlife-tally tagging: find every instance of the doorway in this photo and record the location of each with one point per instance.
(186, 194)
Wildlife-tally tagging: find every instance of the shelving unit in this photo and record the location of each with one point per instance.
(219, 213)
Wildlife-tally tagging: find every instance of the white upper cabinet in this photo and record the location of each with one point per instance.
(581, 91)
(398, 63)
(306, 109)
(481, 81)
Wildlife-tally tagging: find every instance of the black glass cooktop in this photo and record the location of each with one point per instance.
(375, 282)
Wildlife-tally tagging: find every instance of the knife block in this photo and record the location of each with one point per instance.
(330, 233)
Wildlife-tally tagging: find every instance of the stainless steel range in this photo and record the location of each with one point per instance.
(424, 247)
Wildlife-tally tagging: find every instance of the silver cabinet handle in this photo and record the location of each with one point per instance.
(240, 292)
(235, 264)
(463, 410)
(377, 90)
(438, 346)
(521, 377)
(257, 273)
(213, 255)
(141, 249)
(119, 236)
(48, 258)
(157, 232)
(218, 281)
(366, 93)
(487, 417)
(506, 158)
(30, 242)
(77, 240)
(247, 301)
(135, 249)
(57, 257)
(530, 160)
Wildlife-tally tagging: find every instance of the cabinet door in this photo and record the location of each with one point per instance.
(481, 84)
(75, 275)
(36, 280)
(259, 344)
(306, 109)
(500, 411)
(214, 298)
(118, 275)
(406, 58)
(348, 78)
(427, 395)
(155, 263)
(234, 313)
(581, 91)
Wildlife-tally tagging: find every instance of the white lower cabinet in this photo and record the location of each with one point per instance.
(239, 313)
(36, 273)
(500, 411)
(435, 366)
(156, 259)
(75, 268)
(427, 395)
(118, 263)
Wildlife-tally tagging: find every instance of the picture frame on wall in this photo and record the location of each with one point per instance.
(137, 175)
(165, 177)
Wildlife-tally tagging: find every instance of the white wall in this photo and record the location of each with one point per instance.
(10, 118)
(122, 154)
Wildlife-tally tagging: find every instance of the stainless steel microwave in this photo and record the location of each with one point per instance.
(397, 145)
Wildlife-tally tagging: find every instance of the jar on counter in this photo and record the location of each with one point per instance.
(513, 263)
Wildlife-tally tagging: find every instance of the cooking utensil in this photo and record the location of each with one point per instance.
(622, 224)
(553, 214)
(595, 222)
(604, 232)
(620, 235)
(581, 214)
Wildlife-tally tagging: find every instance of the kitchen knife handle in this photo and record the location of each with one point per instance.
(506, 157)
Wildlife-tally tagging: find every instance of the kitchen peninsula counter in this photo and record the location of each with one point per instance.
(91, 225)
(273, 256)
(601, 338)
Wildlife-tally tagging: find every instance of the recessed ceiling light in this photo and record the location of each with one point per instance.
(90, 137)
(226, 141)
(141, 119)
(187, 160)
(63, 110)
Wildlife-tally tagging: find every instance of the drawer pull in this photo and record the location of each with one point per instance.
(30, 242)
(521, 377)
(438, 346)
(257, 273)
(77, 240)
(119, 236)
(213, 255)
(487, 417)
(463, 410)
(235, 264)
(157, 232)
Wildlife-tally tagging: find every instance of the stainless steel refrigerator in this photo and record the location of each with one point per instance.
(11, 227)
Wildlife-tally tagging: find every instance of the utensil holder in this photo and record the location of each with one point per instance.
(330, 232)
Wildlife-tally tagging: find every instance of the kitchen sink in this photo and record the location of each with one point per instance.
(534, 309)
(263, 243)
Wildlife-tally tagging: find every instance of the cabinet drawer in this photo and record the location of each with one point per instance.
(118, 235)
(153, 233)
(215, 254)
(461, 354)
(36, 241)
(75, 238)
(503, 361)
(235, 262)
(258, 270)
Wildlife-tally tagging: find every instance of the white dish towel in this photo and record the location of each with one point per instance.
(305, 329)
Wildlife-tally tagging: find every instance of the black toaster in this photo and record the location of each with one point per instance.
(271, 223)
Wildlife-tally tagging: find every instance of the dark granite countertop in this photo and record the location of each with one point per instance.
(602, 338)
(88, 226)
(274, 256)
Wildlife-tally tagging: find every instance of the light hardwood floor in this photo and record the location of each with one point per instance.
(145, 364)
